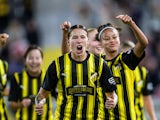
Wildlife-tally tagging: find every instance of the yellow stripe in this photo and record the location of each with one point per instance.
(59, 84)
(34, 92)
(129, 79)
(34, 83)
(91, 69)
(121, 104)
(68, 83)
(50, 113)
(16, 77)
(1, 107)
(79, 82)
(25, 93)
(139, 88)
(3, 74)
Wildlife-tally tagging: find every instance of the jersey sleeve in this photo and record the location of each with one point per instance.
(14, 94)
(50, 80)
(131, 60)
(107, 81)
(148, 86)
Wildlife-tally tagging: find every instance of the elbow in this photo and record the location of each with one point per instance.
(13, 106)
(146, 43)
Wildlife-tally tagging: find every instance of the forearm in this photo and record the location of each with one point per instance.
(15, 105)
(42, 94)
(65, 42)
(140, 36)
(149, 106)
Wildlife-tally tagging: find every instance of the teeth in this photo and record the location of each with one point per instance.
(79, 47)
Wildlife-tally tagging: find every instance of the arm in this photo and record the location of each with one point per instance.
(3, 39)
(65, 47)
(148, 104)
(142, 40)
(26, 102)
(14, 96)
(49, 84)
(40, 100)
(108, 85)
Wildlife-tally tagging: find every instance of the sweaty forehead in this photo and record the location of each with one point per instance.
(78, 31)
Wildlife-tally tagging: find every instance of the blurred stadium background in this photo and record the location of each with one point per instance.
(38, 22)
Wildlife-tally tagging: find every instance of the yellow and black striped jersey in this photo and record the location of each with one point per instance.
(142, 86)
(3, 82)
(122, 67)
(77, 84)
(25, 86)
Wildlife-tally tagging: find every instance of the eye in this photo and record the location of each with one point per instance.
(114, 37)
(83, 36)
(106, 38)
(74, 37)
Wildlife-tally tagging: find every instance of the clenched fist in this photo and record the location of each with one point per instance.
(3, 39)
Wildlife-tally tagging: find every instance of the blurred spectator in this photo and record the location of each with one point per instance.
(16, 54)
(28, 10)
(32, 32)
(4, 14)
(22, 9)
(16, 31)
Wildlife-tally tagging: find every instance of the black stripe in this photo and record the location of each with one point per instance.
(126, 101)
(75, 98)
(20, 83)
(138, 97)
(30, 86)
(85, 82)
(141, 73)
(5, 66)
(141, 109)
(61, 63)
(116, 109)
(96, 62)
(5, 114)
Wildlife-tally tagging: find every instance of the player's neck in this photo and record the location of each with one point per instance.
(80, 57)
(111, 55)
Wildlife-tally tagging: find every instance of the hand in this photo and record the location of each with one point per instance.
(26, 102)
(65, 26)
(39, 109)
(3, 38)
(125, 19)
(111, 102)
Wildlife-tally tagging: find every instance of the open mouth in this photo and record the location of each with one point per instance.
(79, 47)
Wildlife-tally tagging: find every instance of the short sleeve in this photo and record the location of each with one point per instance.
(50, 80)
(131, 60)
(108, 83)
(148, 86)
(14, 90)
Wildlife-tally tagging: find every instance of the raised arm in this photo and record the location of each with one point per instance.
(142, 40)
(65, 47)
